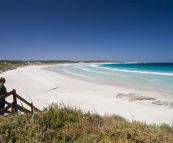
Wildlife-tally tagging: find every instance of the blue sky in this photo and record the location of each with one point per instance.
(118, 30)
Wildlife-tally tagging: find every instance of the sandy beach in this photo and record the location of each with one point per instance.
(44, 87)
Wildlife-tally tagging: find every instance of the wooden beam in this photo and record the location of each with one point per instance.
(32, 108)
(8, 111)
(2, 111)
(12, 108)
(19, 97)
(15, 102)
(7, 103)
(35, 109)
(26, 102)
(5, 95)
(23, 109)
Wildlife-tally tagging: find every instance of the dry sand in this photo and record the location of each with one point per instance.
(45, 87)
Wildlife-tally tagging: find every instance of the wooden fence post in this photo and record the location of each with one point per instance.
(14, 100)
(12, 108)
(32, 108)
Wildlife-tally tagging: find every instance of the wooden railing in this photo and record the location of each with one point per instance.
(14, 106)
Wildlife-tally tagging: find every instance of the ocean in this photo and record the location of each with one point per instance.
(145, 76)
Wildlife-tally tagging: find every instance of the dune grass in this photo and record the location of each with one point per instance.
(60, 123)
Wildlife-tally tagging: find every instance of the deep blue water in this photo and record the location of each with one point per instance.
(147, 76)
(149, 67)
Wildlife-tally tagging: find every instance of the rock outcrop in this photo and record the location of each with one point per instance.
(134, 96)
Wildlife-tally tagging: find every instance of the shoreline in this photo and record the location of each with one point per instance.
(128, 85)
(160, 98)
(44, 87)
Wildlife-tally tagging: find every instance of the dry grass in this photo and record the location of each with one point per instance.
(64, 124)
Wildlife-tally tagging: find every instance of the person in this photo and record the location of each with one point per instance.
(2, 92)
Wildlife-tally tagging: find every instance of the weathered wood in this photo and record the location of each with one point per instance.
(23, 109)
(7, 103)
(36, 109)
(2, 111)
(32, 108)
(8, 111)
(5, 95)
(26, 102)
(14, 106)
(14, 91)
(15, 102)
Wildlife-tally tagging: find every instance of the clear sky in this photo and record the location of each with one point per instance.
(118, 30)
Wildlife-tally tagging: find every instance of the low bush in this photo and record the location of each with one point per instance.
(60, 123)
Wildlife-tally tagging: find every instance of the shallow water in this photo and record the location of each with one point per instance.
(154, 77)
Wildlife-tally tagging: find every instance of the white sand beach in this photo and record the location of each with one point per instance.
(45, 87)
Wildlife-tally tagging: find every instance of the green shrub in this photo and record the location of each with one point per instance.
(64, 124)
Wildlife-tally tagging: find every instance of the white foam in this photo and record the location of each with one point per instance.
(85, 69)
(77, 74)
(96, 71)
(125, 76)
(94, 65)
(143, 72)
(155, 80)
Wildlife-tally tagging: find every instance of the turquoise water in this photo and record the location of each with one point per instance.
(148, 76)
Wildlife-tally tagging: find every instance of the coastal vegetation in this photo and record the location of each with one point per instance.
(6, 65)
(65, 124)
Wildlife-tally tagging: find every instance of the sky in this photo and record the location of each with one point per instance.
(113, 30)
